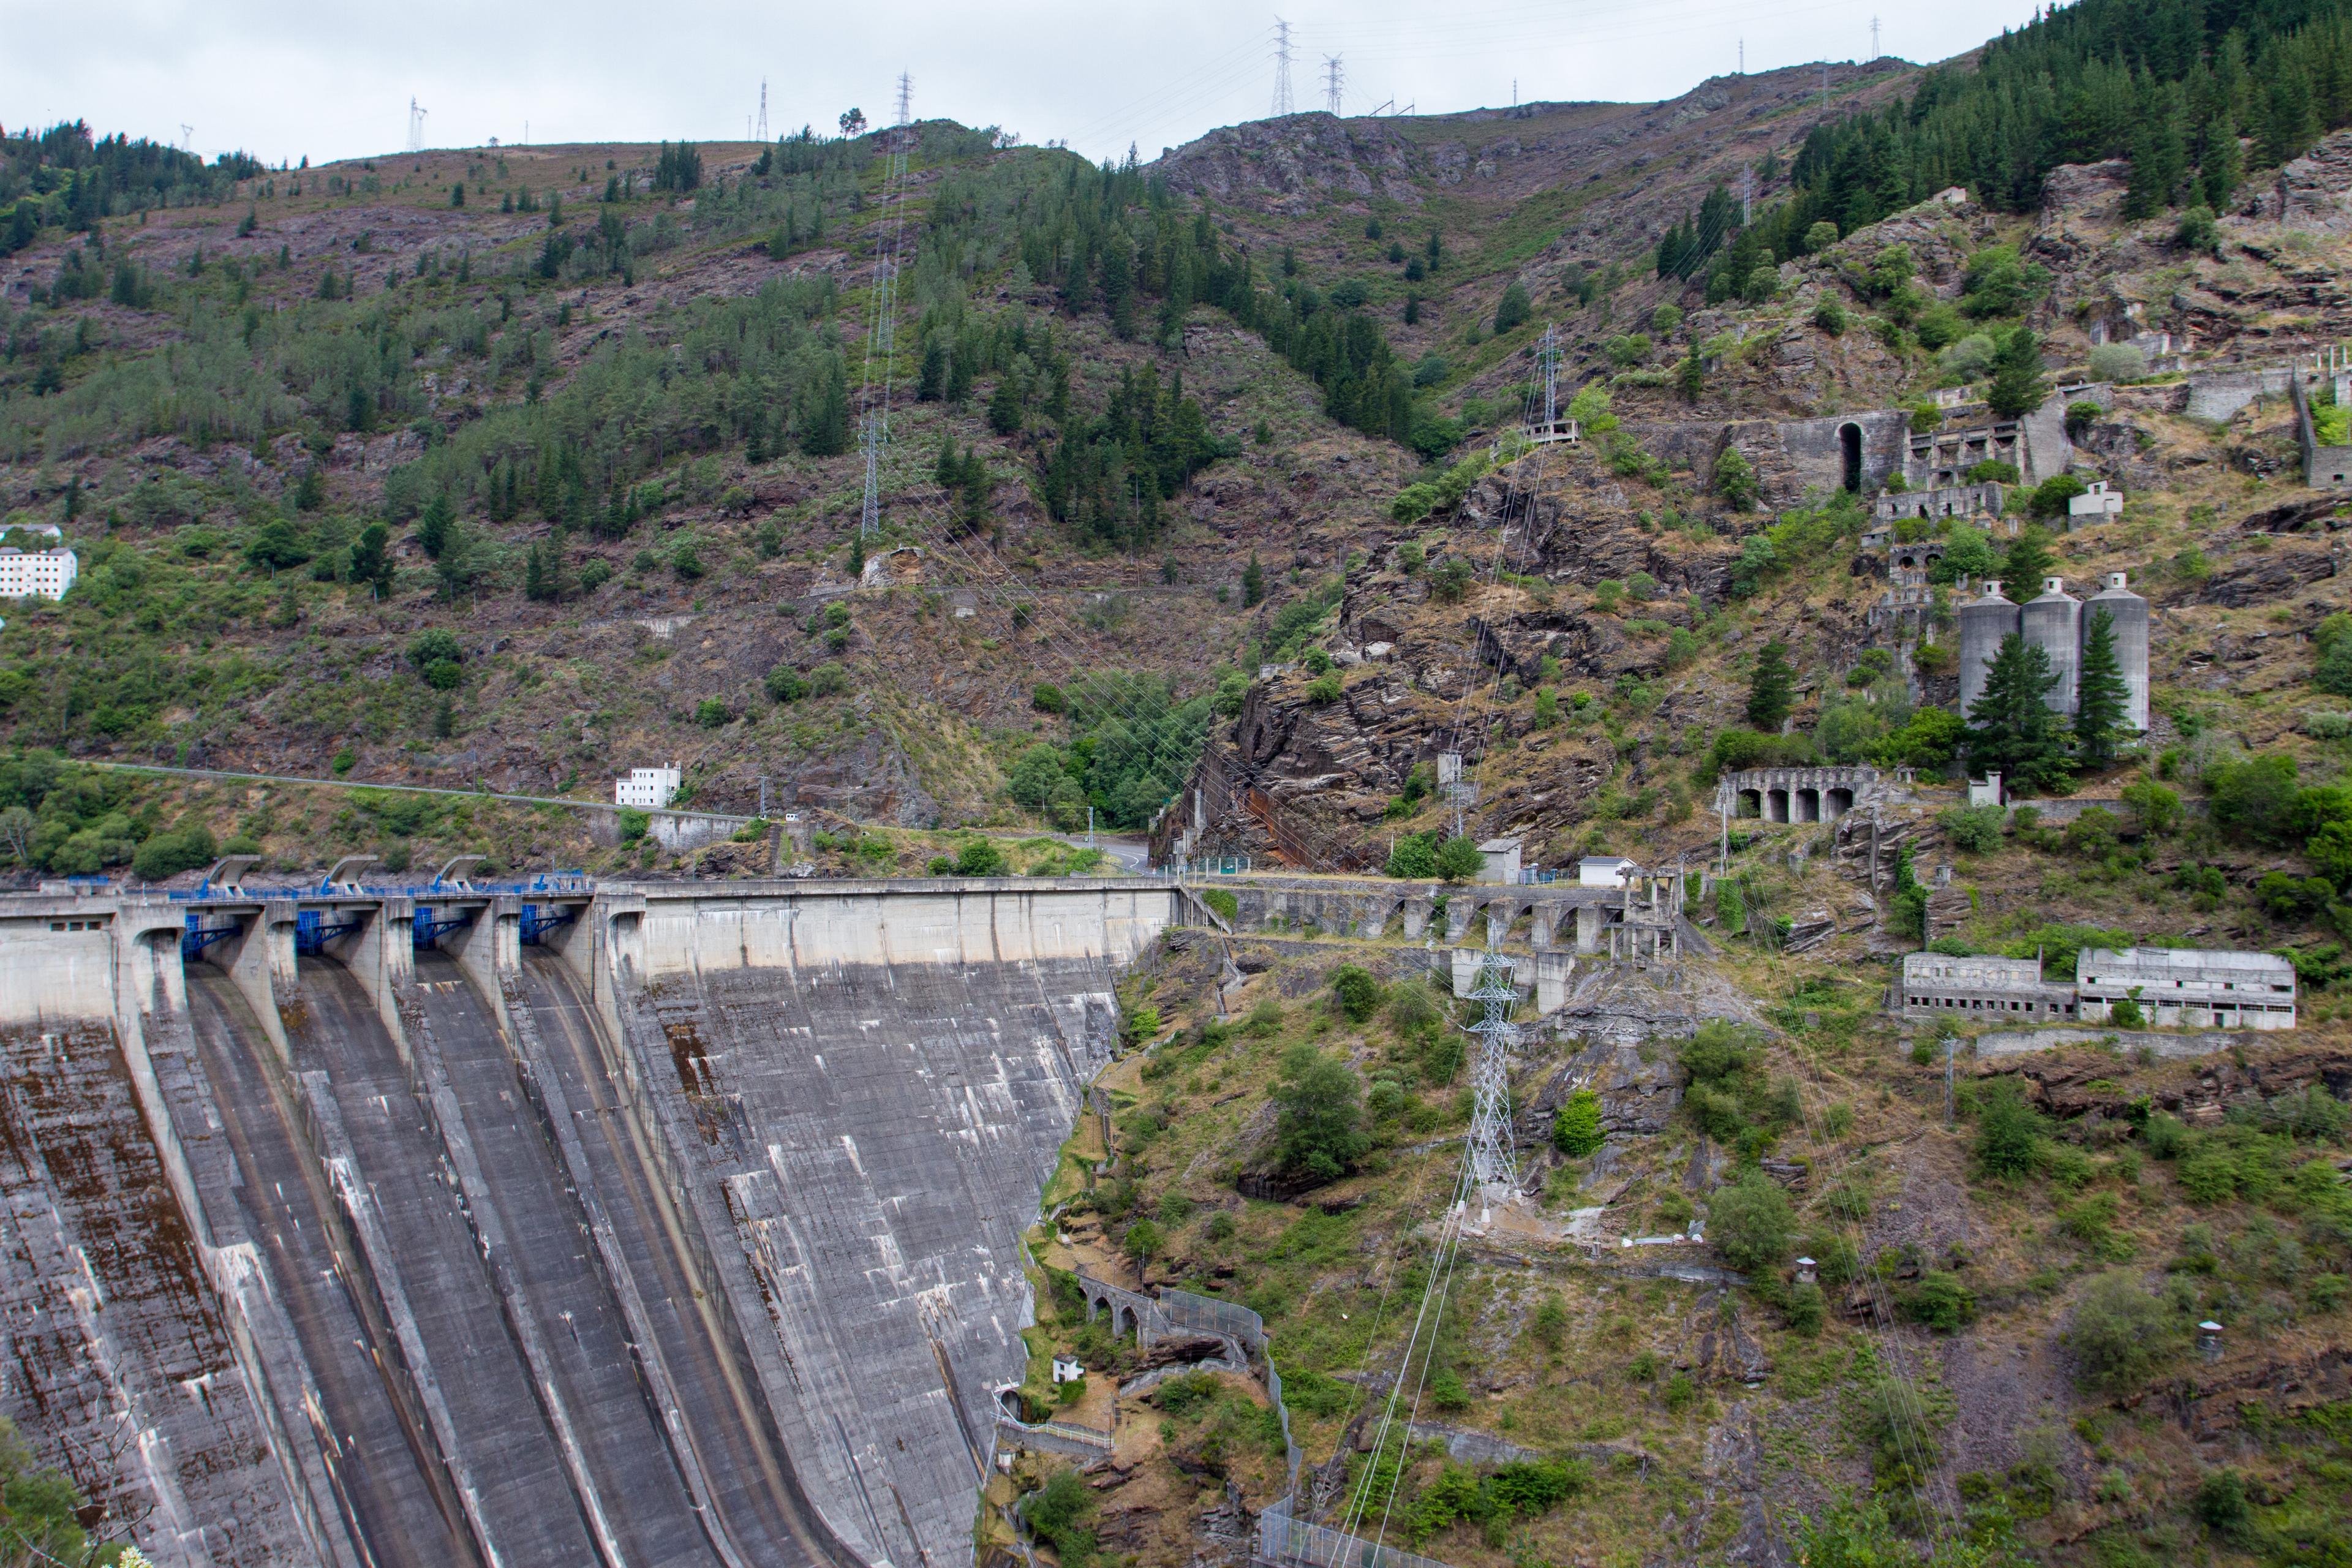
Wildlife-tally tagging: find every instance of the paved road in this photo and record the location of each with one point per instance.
(1130, 855)
(401, 788)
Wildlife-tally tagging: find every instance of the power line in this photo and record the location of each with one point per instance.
(1283, 104)
(1335, 78)
(882, 331)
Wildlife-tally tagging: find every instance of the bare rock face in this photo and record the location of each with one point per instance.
(2086, 190)
(2315, 191)
(1291, 166)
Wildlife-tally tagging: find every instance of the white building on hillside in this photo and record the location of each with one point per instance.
(648, 789)
(2188, 987)
(36, 574)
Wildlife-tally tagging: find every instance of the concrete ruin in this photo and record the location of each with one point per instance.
(1795, 794)
(637, 1223)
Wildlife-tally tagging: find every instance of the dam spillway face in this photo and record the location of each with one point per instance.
(361, 1229)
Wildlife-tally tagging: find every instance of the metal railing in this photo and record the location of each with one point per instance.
(1294, 1543)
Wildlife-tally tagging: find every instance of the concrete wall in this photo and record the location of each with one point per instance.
(863, 1089)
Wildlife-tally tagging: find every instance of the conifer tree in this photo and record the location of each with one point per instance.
(2223, 166)
(1772, 689)
(1692, 377)
(432, 526)
(2102, 700)
(1004, 407)
(2010, 725)
(372, 559)
(824, 432)
(1252, 582)
(2159, 160)
(2017, 388)
(2027, 563)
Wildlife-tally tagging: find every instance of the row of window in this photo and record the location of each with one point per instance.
(77, 925)
(1993, 1005)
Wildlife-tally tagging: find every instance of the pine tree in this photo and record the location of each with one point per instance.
(1004, 407)
(1772, 689)
(2028, 562)
(2017, 388)
(2011, 727)
(372, 559)
(2102, 701)
(458, 195)
(1691, 376)
(2159, 160)
(947, 467)
(933, 380)
(2224, 165)
(433, 527)
(1252, 582)
(824, 432)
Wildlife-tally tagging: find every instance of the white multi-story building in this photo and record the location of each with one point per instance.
(648, 789)
(2188, 987)
(36, 574)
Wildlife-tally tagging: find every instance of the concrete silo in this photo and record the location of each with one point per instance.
(1983, 624)
(2054, 622)
(2128, 611)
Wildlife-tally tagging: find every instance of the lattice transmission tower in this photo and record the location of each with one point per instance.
(1493, 1156)
(1281, 100)
(882, 330)
(763, 109)
(1335, 82)
(416, 127)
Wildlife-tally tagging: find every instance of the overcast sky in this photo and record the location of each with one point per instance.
(285, 79)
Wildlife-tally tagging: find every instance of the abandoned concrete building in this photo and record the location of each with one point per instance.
(1980, 501)
(1937, 985)
(2189, 987)
(2173, 987)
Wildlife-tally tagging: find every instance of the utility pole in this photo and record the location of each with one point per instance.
(1281, 101)
(187, 138)
(1334, 82)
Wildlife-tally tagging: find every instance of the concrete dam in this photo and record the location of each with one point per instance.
(631, 1224)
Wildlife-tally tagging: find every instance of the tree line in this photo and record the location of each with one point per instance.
(2180, 87)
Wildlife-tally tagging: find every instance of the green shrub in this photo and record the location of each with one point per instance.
(1458, 860)
(784, 684)
(1941, 1302)
(980, 858)
(1358, 993)
(2119, 1334)
(2009, 1132)
(1576, 1128)
(1323, 690)
(1318, 1129)
(169, 854)
(634, 824)
(1749, 1222)
(828, 680)
(711, 713)
(1976, 828)
(1223, 900)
